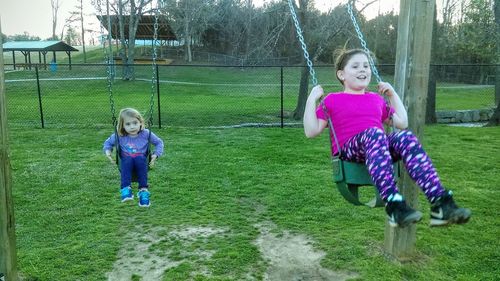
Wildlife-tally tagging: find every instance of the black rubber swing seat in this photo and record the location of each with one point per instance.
(349, 176)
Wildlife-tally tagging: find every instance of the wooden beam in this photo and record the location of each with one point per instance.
(7, 223)
(416, 18)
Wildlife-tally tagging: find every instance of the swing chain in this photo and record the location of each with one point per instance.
(154, 68)
(363, 42)
(370, 58)
(303, 43)
(108, 60)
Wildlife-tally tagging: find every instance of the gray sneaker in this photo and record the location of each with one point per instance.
(400, 214)
(444, 211)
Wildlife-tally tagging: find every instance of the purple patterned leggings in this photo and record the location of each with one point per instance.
(378, 151)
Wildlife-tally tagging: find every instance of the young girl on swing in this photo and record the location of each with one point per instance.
(134, 142)
(358, 116)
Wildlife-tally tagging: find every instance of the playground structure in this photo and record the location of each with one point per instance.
(412, 47)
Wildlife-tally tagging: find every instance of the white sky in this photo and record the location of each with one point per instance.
(35, 16)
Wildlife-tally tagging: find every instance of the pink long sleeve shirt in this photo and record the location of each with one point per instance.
(351, 114)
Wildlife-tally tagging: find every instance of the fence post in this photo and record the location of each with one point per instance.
(281, 79)
(158, 95)
(39, 96)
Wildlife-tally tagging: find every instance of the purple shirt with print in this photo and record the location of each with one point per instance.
(137, 145)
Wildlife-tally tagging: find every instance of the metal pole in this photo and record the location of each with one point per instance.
(282, 112)
(39, 96)
(158, 95)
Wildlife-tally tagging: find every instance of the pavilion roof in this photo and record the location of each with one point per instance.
(35, 46)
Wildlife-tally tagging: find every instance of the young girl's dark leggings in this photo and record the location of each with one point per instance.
(378, 151)
(137, 164)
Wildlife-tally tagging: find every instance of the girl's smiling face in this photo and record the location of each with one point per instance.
(356, 74)
(131, 125)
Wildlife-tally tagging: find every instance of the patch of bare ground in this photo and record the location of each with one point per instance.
(137, 257)
(293, 258)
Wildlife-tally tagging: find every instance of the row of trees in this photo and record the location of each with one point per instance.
(464, 29)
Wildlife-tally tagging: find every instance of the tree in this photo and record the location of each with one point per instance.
(382, 34)
(23, 37)
(71, 36)
(129, 13)
(495, 119)
(191, 18)
(430, 106)
(67, 24)
(55, 8)
(80, 17)
(476, 38)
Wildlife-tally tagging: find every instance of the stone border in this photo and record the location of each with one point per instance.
(464, 116)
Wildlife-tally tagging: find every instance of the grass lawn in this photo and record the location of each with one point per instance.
(235, 204)
(227, 204)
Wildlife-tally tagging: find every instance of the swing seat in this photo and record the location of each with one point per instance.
(349, 176)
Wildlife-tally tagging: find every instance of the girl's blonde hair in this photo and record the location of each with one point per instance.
(343, 57)
(128, 112)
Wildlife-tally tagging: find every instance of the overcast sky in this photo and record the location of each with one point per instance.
(35, 16)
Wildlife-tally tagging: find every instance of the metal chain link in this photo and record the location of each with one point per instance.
(154, 69)
(370, 58)
(363, 42)
(303, 43)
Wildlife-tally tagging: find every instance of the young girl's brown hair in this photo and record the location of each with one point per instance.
(128, 112)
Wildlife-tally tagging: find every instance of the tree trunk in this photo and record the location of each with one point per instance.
(495, 119)
(497, 41)
(123, 43)
(187, 40)
(430, 114)
(55, 8)
(83, 33)
(129, 70)
(298, 113)
(430, 109)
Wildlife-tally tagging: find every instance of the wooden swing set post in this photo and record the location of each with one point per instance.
(416, 18)
(8, 269)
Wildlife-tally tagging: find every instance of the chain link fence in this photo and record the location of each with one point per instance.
(200, 95)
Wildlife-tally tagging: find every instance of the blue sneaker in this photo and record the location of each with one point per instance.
(126, 193)
(143, 198)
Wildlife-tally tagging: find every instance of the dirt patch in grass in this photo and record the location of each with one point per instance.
(148, 253)
(293, 258)
(140, 259)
